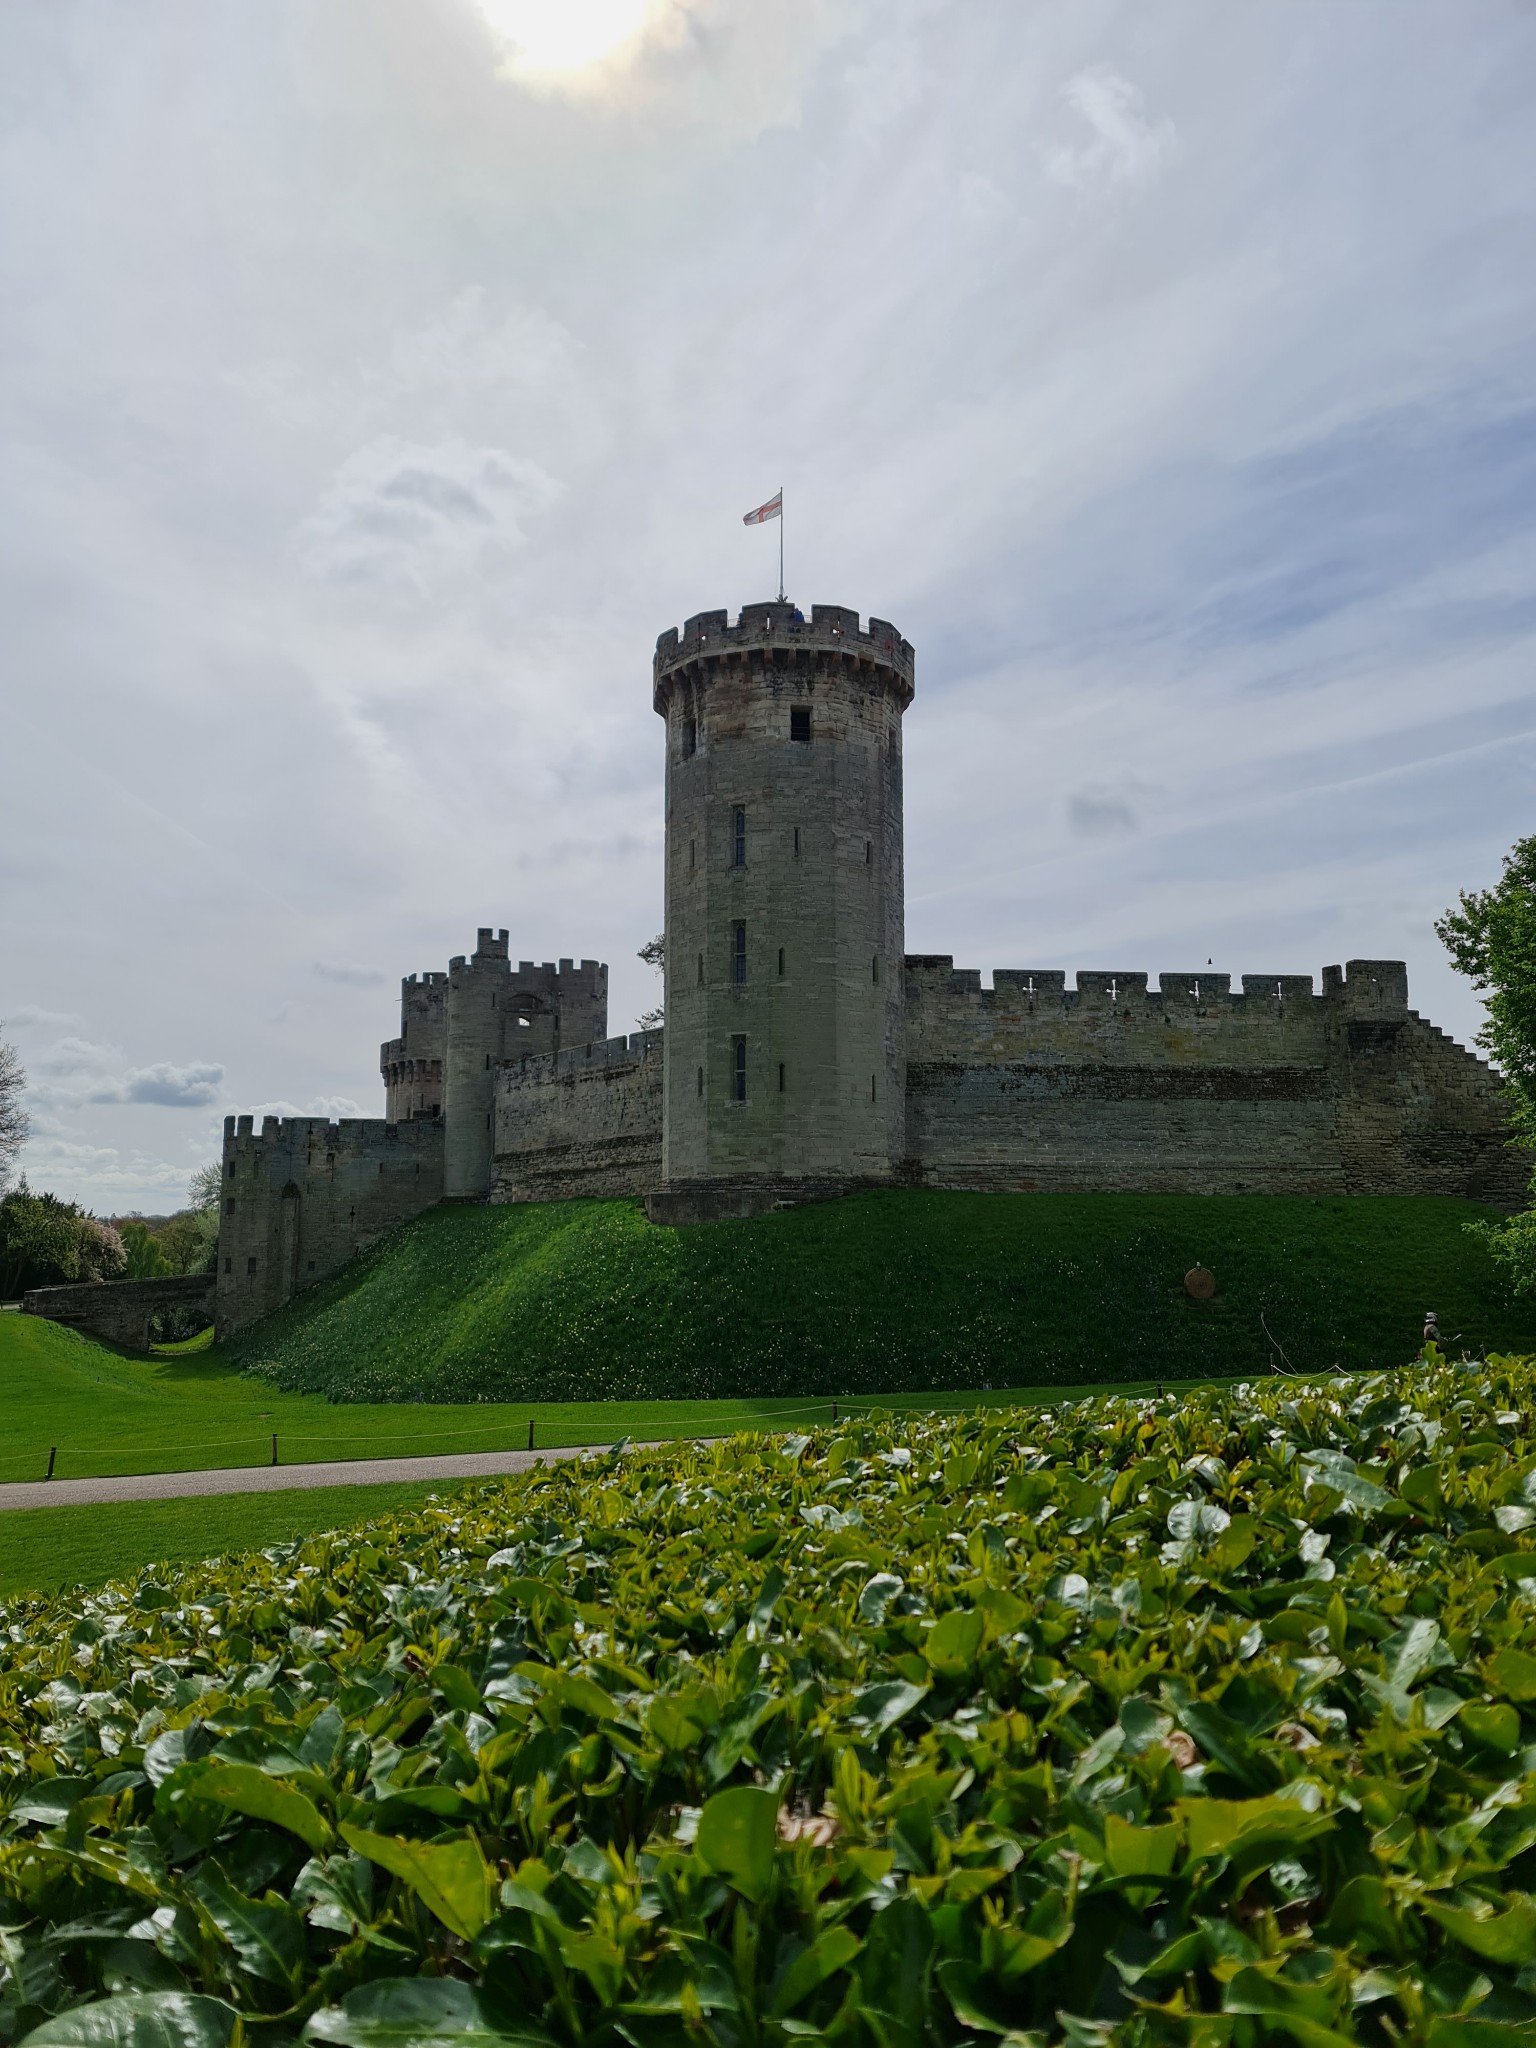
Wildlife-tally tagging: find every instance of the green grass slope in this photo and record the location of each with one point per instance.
(883, 1292)
(106, 1413)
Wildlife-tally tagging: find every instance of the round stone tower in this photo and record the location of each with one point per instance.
(785, 1059)
(474, 1026)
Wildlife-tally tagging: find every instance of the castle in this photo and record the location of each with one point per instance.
(805, 1054)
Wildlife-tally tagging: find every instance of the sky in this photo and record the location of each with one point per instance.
(378, 378)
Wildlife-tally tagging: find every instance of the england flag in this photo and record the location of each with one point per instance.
(774, 509)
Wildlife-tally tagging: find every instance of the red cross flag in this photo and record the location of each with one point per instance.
(774, 509)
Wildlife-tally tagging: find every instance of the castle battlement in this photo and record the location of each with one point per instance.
(538, 1069)
(782, 634)
(1376, 988)
(346, 1137)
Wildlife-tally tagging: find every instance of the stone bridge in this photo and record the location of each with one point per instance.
(119, 1311)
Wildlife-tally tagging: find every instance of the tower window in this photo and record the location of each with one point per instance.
(693, 855)
(739, 836)
(690, 737)
(874, 968)
(231, 1169)
(701, 970)
(800, 722)
(871, 1087)
(781, 959)
(739, 954)
(797, 842)
(701, 1081)
(739, 1069)
(869, 852)
(781, 1077)
(250, 1265)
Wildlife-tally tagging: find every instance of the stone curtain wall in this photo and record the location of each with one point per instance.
(585, 1122)
(1192, 1089)
(303, 1195)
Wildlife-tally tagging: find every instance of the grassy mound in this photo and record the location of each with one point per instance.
(1202, 1721)
(883, 1292)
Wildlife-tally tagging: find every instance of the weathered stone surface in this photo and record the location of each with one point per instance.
(784, 937)
(120, 1311)
(303, 1194)
(585, 1122)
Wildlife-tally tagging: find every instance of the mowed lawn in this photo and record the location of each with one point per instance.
(107, 1413)
(41, 1548)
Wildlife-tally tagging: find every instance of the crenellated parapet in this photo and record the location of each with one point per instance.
(779, 636)
(1194, 1086)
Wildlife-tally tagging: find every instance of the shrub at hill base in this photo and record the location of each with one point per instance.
(1186, 1723)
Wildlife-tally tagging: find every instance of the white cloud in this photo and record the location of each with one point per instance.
(75, 1071)
(31, 1019)
(404, 515)
(1123, 148)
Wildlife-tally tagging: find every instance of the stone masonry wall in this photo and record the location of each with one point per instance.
(584, 1122)
(120, 1311)
(303, 1195)
(1191, 1088)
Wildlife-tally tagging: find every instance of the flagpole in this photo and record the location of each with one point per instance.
(781, 543)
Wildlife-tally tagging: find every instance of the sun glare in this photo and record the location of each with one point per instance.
(548, 38)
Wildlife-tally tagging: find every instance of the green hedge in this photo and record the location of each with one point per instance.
(884, 1293)
(1190, 1722)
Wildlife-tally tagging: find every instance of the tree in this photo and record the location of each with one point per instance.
(48, 1243)
(190, 1238)
(1491, 939)
(654, 954)
(145, 1259)
(14, 1121)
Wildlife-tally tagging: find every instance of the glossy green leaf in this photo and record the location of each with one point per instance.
(140, 2019)
(244, 1789)
(451, 1879)
(737, 1832)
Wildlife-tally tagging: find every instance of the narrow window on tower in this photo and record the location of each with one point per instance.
(869, 852)
(800, 722)
(781, 1077)
(797, 842)
(781, 960)
(739, 1069)
(690, 737)
(739, 954)
(701, 970)
(701, 1081)
(693, 855)
(739, 840)
(874, 968)
(871, 1087)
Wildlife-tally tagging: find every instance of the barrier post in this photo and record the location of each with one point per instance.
(53, 1452)
(274, 1446)
(530, 1432)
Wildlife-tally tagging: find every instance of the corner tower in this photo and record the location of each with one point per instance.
(784, 1050)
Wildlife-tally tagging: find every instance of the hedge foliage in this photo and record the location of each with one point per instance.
(1197, 1722)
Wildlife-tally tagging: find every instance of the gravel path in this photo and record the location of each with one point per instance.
(64, 1493)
